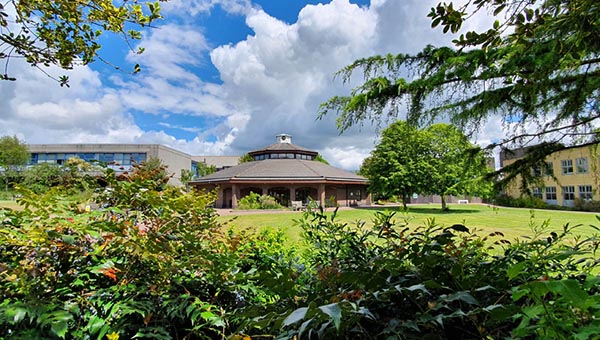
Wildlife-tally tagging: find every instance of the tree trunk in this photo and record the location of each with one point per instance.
(404, 198)
(444, 206)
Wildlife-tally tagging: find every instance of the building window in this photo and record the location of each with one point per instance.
(549, 170)
(568, 193)
(551, 193)
(582, 165)
(107, 157)
(567, 167)
(537, 193)
(585, 192)
(536, 171)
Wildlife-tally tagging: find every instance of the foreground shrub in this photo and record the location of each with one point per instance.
(435, 282)
(152, 264)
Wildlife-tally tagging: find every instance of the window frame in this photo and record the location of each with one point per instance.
(551, 192)
(567, 167)
(586, 195)
(584, 167)
(568, 192)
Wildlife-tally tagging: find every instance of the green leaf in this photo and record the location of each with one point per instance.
(419, 287)
(515, 270)
(334, 311)
(18, 314)
(569, 289)
(519, 292)
(459, 227)
(95, 324)
(463, 296)
(69, 239)
(295, 316)
(59, 322)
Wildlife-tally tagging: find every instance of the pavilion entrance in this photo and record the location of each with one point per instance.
(306, 194)
(281, 195)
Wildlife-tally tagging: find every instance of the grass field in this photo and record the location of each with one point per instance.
(512, 222)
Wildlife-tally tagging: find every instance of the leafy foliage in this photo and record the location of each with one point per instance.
(436, 282)
(13, 155)
(536, 66)
(320, 158)
(152, 171)
(76, 175)
(245, 158)
(152, 264)
(205, 169)
(437, 160)
(66, 33)
(256, 201)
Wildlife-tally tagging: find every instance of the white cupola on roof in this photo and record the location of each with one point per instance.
(284, 138)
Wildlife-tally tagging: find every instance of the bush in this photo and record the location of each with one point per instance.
(254, 201)
(434, 282)
(585, 205)
(536, 203)
(152, 264)
(522, 202)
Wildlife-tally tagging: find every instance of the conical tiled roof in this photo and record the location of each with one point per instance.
(277, 170)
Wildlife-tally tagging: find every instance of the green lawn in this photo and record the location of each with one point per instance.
(512, 222)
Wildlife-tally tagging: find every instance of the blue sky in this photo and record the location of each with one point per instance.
(223, 77)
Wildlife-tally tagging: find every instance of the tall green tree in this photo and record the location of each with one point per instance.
(537, 67)
(65, 32)
(438, 160)
(395, 167)
(456, 167)
(13, 156)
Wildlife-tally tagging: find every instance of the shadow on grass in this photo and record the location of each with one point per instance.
(423, 210)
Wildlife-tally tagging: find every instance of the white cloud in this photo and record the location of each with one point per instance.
(348, 157)
(272, 82)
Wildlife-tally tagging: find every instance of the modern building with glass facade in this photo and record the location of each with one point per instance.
(568, 174)
(117, 156)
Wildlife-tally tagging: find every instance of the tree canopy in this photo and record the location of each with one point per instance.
(66, 33)
(537, 67)
(437, 160)
(13, 155)
(245, 158)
